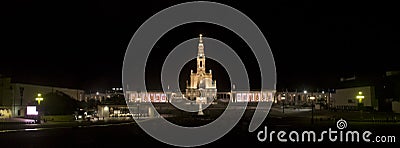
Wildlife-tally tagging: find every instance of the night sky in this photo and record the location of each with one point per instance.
(81, 44)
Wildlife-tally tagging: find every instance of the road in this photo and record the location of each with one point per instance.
(129, 134)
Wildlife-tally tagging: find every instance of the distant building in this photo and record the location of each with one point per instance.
(157, 97)
(252, 96)
(98, 96)
(355, 97)
(16, 96)
(201, 81)
(385, 86)
(323, 99)
(101, 96)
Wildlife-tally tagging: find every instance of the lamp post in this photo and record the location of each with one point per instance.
(138, 108)
(360, 98)
(312, 98)
(39, 98)
(283, 104)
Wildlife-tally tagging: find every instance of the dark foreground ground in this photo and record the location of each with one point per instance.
(129, 134)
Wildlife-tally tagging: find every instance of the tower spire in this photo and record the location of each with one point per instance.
(200, 51)
(200, 56)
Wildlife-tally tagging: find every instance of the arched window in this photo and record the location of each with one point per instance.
(201, 63)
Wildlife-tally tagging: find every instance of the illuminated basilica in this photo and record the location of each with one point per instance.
(201, 83)
(201, 88)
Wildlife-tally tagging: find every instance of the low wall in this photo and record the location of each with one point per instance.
(59, 118)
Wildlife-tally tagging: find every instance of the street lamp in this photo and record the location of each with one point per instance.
(283, 102)
(138, 108)
(312, 98)
(39, 98)
(360, 98)
(305, 96)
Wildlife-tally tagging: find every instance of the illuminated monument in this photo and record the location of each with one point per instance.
(202, 88)
(201, 84)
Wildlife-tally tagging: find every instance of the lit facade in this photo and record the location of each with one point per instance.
(322, 99)
(134, 96)
(252, 96)
(201, 81)
(103, 95)
(14, 97)
(346, 98)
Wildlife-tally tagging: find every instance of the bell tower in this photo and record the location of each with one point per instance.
(201, 59)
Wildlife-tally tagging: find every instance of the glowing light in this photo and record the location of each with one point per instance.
(360, 97)
(39, 98)
(31, 110)
(305, 91)
(312, 98)
(97, 93)
(323, 92)
(283, 98)
(31, 129)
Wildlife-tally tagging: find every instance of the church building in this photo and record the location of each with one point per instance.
(201, 83)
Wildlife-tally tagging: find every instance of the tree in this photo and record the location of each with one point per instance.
(92, 104)
(58, 103)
